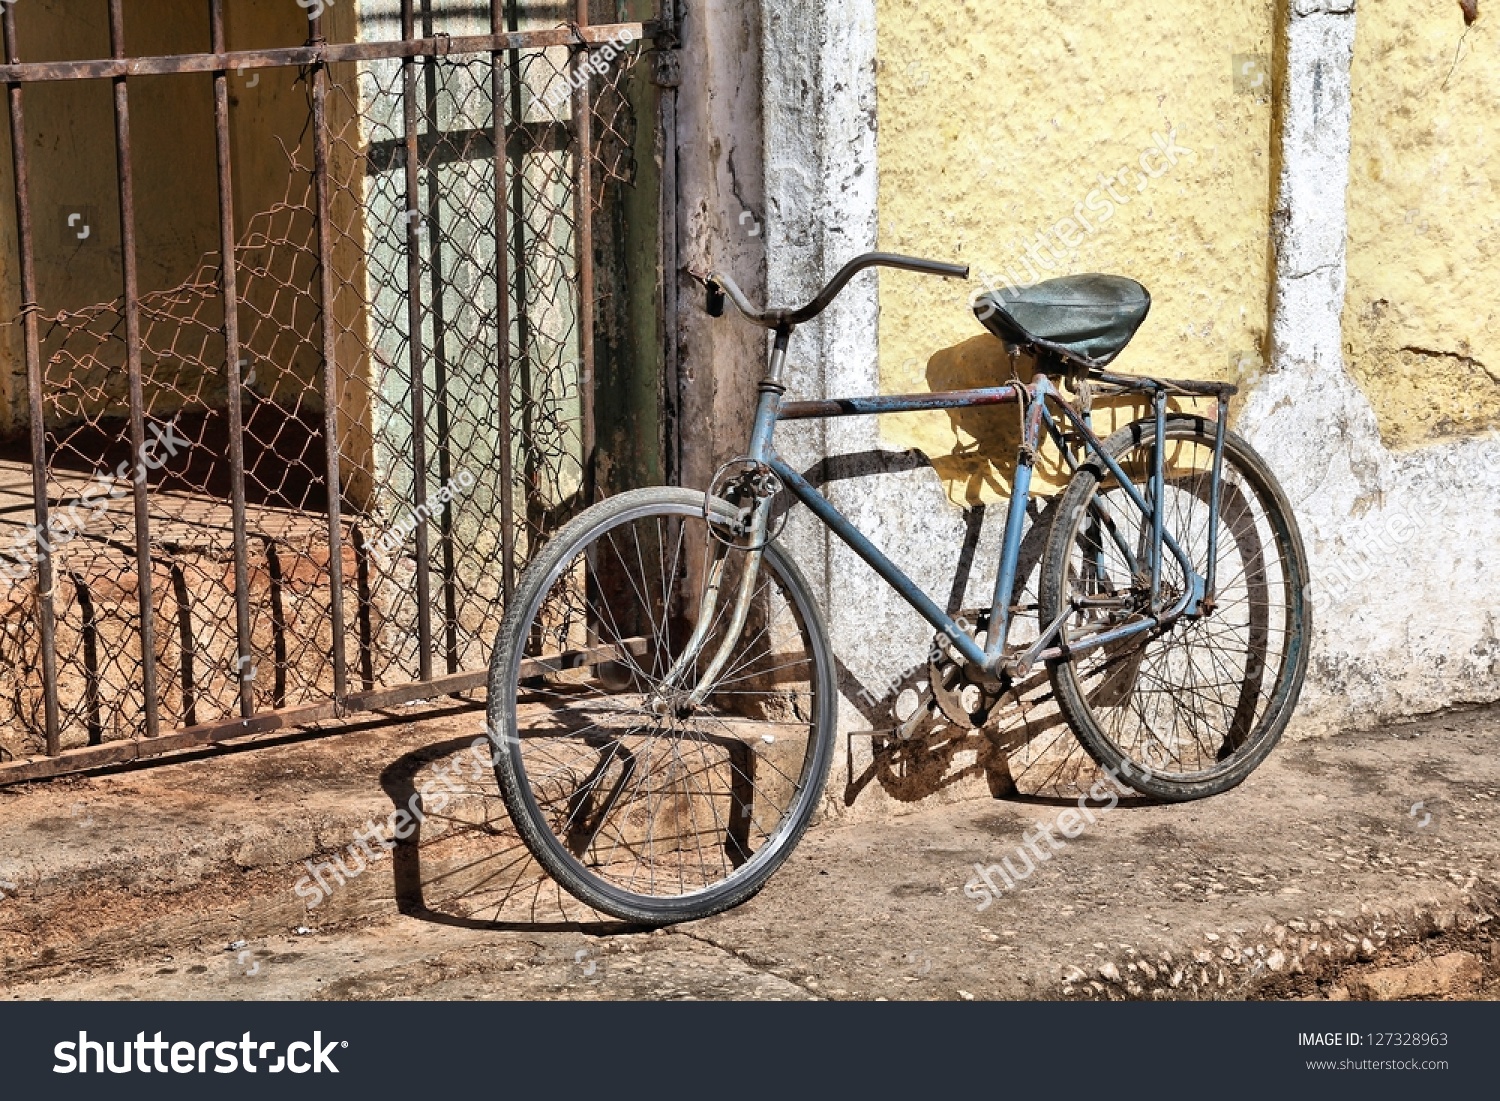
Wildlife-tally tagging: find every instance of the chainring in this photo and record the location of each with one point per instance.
(965, 695)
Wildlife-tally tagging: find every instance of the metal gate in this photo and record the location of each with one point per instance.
(306, 346)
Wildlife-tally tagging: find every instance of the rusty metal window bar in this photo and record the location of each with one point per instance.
(243, 496)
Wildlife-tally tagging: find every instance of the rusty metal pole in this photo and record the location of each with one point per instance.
(322, 187)
(413, 221)
(531, 474)
(440, 374)
(126, 170)
(502, 310)
(229, 291)
(668, 79)
(583, 117)
(26, 246)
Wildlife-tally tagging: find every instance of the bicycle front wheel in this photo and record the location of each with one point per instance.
(653, 782)
(1190, 709)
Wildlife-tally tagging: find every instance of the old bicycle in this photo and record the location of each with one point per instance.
(663, 686)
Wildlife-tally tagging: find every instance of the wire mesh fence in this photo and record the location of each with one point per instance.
(299, 484)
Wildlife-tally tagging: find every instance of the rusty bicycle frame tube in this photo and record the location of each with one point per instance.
(26, 242)
(128, 256)
(896, 403)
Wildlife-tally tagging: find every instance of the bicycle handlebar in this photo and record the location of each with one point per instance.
(720, 285)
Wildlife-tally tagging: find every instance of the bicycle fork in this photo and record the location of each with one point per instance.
(662, 700)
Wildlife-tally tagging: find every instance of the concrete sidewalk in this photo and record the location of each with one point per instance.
(1364, 865)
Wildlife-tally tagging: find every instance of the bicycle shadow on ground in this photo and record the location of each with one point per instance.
(1025, 753)
(465, 865)
(1024, 750)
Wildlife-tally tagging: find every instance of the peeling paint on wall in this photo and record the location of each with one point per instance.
(1421, 323)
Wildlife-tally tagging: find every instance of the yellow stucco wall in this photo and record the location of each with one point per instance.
(1421, 320)
(996, 123)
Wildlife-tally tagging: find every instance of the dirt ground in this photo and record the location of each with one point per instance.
(1360, 866)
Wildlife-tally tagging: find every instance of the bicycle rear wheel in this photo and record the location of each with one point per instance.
(1189, 710)
(641, 801)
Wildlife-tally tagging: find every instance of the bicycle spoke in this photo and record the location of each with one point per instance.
(1192, 695)
(642, 790)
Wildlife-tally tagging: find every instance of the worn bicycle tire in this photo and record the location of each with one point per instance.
(1063, 671)
(510, 770)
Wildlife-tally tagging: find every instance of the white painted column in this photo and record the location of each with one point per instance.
(819, 95)
(1405, 615)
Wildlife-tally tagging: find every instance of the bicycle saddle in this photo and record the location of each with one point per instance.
(1085, 319)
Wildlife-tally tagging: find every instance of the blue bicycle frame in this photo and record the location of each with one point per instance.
(1040, 399)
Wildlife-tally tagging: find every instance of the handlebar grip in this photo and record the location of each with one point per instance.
(716, 300)
(947, 271)
(917, 265)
